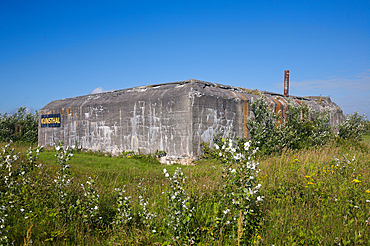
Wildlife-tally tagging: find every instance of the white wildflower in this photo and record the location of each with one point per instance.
(260, 198)
(247, 145)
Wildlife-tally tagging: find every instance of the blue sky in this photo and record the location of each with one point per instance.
(51, 50)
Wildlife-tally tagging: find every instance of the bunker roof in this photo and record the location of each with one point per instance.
(166, 90)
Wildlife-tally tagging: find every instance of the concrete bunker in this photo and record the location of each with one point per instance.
(174, 117)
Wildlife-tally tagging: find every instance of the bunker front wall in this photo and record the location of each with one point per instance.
(147, 122)
(219, 111)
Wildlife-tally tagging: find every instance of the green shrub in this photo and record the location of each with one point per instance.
(303, 128)
(300, 128)
(353, 128)
(263, 127)
(19, 127)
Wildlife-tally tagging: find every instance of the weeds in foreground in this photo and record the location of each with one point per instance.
(319, 196)
(180, 208)
(78, 205)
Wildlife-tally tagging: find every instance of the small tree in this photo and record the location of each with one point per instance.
(303, 128)
(353, 128)
(263, 127)
(20, 126)
(300, 128)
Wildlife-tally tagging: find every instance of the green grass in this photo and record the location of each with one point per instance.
(367, 138)
(114, 172)
(311, 201)
(308, 201)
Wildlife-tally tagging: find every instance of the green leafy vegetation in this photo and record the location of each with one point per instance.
(319, 195)
(19, 127)
(310, 190)
(354, 127)
(316, 197)
(300, 128)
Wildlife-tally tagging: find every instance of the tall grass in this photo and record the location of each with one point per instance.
(313, 195)
(317, 196)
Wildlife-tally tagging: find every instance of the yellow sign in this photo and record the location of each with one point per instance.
(50, 120)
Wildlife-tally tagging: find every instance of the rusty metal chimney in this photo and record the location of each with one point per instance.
(286, 83)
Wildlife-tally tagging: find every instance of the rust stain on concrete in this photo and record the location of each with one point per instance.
(245, 114)
(279, 110)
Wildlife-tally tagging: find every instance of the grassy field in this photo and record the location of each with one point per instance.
(319, 196)
(313, 199)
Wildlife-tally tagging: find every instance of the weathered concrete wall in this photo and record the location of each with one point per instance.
(218, 110)
(174, 117)
(142, 118)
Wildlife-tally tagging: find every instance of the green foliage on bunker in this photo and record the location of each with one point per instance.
(300, 128)
(19, 127)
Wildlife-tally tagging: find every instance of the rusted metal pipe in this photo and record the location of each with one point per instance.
(286, 83)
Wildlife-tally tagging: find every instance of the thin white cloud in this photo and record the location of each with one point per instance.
(357, 83)
(99, 90)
